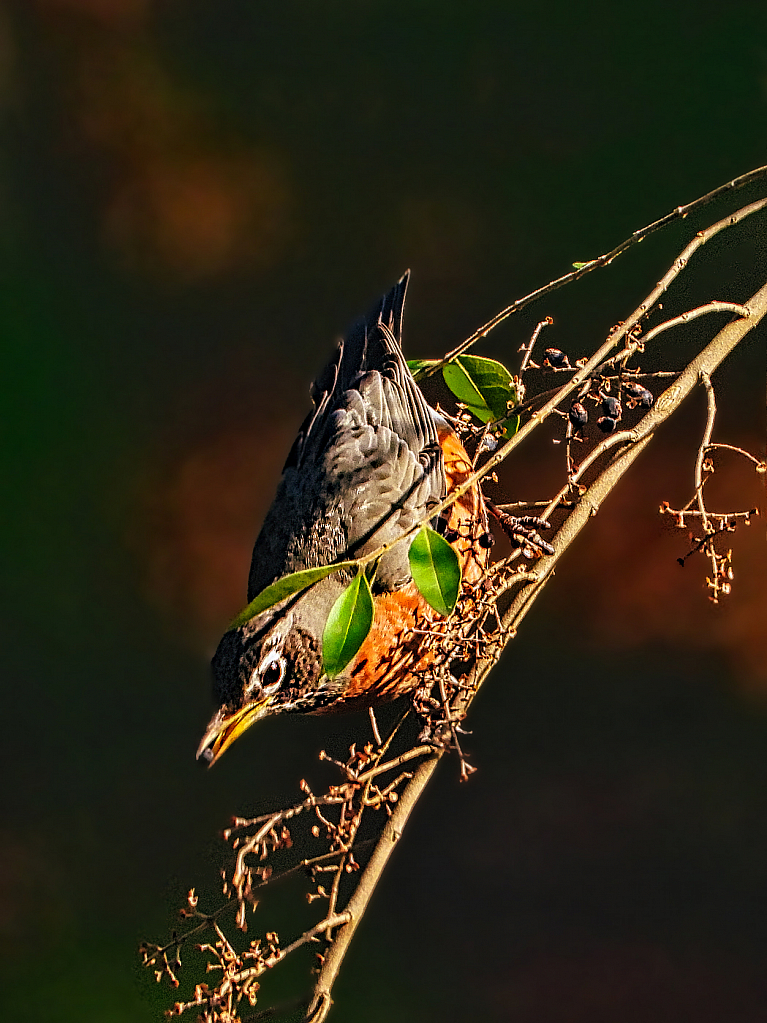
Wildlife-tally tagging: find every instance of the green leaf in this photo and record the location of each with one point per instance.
(418, 367)
(485, 386)
(580, 266)
(347, 626)
(510, 427)
(285, 587)
(371, 569)
(435, 569)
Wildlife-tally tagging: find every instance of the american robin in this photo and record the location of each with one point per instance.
(369, 462)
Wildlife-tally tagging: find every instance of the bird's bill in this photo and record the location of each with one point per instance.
(225, 726)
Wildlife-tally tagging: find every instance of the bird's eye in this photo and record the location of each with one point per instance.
(273, 672)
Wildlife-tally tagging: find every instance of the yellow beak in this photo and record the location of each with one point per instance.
(226, 726)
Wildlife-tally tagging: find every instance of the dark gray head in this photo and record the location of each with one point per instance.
(259, 671)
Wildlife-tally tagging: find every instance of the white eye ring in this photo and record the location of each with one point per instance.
(266, 667)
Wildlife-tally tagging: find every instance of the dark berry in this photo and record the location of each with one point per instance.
(578, 415)
(612, 408)
(640, 394)
(556, 358)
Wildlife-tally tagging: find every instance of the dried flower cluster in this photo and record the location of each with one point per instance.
(712, 525)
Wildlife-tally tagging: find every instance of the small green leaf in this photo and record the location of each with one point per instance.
(580, 266)
(418, 367)
(285, 587)
(511, 425)
(347, 626)
(483, 385)
(371, 568)
(465, 390)
(435, 569)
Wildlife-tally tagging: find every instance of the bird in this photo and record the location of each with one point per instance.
(370, 461)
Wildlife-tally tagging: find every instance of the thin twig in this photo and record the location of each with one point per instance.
(528, 348)
(705, 379)
(676, 214)
(686, 513)
(390, 765)
(677, 321)
(336, 920)
(392, 832)
(513, 506)
(761, 467)
(374, 726)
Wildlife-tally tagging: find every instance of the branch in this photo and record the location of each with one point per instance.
(392, 832)
(676, 321)
(676, 214)
(705, 379)
(634, 442)
(588, 369)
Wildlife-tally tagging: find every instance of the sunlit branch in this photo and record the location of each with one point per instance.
(678, 213)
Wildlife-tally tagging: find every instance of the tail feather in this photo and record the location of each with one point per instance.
(392, 306)
(367, 347)
(373, 343)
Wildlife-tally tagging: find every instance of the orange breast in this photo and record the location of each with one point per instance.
(383, 669)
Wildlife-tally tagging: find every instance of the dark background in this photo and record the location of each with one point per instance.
(195, 199)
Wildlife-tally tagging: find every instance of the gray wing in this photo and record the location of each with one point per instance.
(366, 464)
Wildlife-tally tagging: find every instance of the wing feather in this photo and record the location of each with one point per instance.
(366, 464)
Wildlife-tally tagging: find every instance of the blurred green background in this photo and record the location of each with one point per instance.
(195, 199)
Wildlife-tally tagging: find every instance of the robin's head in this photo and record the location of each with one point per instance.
(261, 669)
